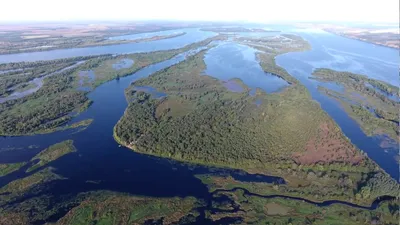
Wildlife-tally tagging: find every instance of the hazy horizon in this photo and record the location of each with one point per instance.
(25, 11)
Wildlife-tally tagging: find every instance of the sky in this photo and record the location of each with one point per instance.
(205, 10)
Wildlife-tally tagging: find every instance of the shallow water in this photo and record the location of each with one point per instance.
(150, 90)
(123, 64)
(37, 82)
(391, 97)
(231, 60)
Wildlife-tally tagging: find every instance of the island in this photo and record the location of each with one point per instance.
(287, 134)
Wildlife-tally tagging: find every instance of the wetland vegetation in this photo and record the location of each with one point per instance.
(61, 97)
(286, 135)
(373, 104)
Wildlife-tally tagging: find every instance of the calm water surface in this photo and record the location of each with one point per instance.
(231, 60)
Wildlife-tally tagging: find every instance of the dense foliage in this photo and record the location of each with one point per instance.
(200, 120)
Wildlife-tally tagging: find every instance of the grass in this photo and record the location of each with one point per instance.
(52, 153)
(113, 208)
(256, 210)
(9, 168)
(22, 185)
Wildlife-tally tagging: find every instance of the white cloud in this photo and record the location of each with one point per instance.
(249, 10)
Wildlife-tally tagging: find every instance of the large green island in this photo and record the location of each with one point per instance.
(287, 135)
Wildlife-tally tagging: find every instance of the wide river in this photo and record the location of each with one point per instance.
(99, 159)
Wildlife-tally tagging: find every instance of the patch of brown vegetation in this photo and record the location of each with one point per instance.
(276, 209)
(328, 146)
(220, 215)
(14, 219)
(173, 107)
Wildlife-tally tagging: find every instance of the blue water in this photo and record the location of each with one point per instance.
(344, 54)
(339, 53)
(150, 90)
(123, 64)
(390, 96)
(231, 60)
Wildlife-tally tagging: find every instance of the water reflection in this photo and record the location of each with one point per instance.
(231, 60)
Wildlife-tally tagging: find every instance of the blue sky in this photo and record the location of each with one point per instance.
(244, 10)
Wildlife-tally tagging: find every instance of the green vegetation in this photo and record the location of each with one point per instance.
(9, 168)
(20, 186)
(59, 99)
(320, 186)
(366, 100)
(113, 208)
(258, 210)
(44, 157)
(52, 153)
(287, 135)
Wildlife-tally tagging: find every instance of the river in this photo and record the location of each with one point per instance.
(98, 157)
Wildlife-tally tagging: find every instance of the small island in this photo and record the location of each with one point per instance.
(372, 103)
